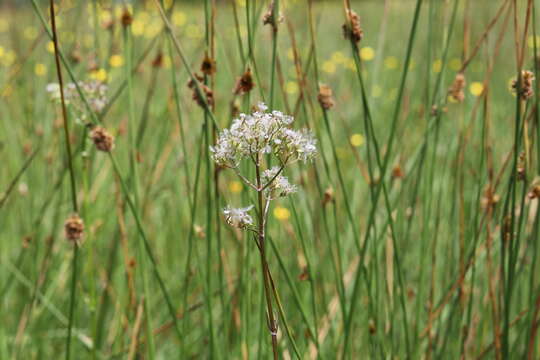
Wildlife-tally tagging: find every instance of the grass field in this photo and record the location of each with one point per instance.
(413, 232)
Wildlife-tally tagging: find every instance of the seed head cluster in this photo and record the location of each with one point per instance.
(526, 91)
(456, 90)
(325, 96)
(535, 192)
(102, 139)
(157, 62)
(244, 84)
(269, 17)
(126, 18)
(208, 93)
(352, 29)
(208, 66)
(251, 136)
(74, 228)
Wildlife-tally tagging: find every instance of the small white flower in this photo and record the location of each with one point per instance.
(53, 89)
(238, 217)
(262, 107)
(279, 185)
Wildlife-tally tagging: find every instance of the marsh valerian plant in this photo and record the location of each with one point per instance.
(262, 138)
(94, 91)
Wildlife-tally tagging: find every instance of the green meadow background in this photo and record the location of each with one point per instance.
(415, 231)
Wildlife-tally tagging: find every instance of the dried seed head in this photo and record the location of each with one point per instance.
(269, 17)
(126, 18)
(158, 60)
(372, 327)
(102, 139)
(26, 241)
(397, 172)
(325, 96)
(456, 90)
(75, 56)
(521, 171)
(351, 28)
(507, 229)
(244, 84)
(535, 192)
(205, 89)
(74, 228)
(490, 198)
(526, 91)
(328, 196)
(208, 65)
(304, 275)
(199, 231)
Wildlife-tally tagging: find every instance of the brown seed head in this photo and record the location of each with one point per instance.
(199, 231)
(208, 65)
(397, 172)
(269, 17)
(26, 241)
(351, 28)
(526, 91)
(521, 171)
(507, 229)
(304, 275)
(244, 84)
(158, 60)
(490, 198)
(74, 228)
(372, 327)
(75, 56)
(456, 90)
(325, 96)
(102, 139)
(535, 192)
(205, 89)
(126, 18)
(434, 110)
(328, 196)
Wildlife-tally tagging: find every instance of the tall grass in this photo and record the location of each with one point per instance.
(414, 233)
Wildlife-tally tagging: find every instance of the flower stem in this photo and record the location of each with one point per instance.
(72, 178)
(272, 325)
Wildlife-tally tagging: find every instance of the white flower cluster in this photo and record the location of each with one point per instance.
(94, 91)
(251, 136)
(238, 217)
(279, 185)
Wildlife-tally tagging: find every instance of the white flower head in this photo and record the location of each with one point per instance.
(94, 92)
(53, 89)
(298, 145)
(238, 217)
(279, 185)
(260, 133)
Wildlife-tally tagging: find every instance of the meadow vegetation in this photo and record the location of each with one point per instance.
(378, 201)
